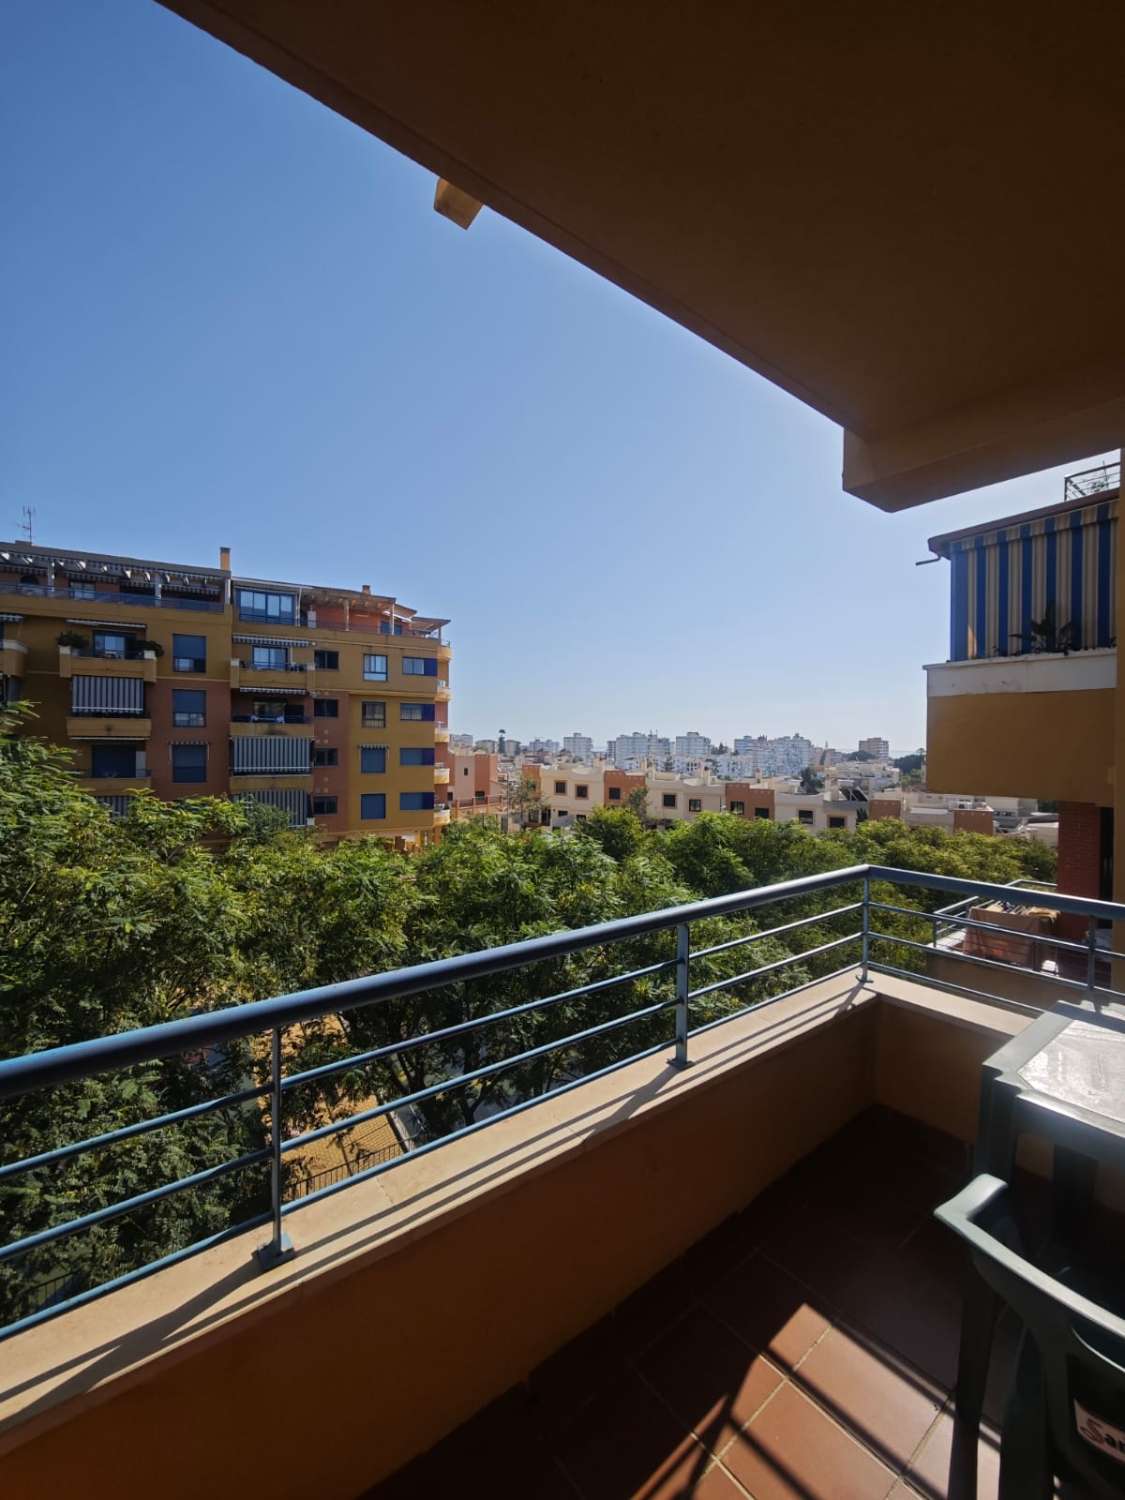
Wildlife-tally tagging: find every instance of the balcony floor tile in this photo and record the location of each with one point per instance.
(805, 1348)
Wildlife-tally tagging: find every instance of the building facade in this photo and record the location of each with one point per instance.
(578, 746)
(330, 704)
(1027, 704)
(875, 746)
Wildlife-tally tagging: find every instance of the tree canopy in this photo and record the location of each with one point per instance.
(108, 924)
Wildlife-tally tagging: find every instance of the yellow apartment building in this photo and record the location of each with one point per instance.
(330, 704)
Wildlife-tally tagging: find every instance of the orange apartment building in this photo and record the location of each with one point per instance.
(331, 704)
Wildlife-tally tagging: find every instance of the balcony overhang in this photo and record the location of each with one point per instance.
(1037, 726)
(936, 272)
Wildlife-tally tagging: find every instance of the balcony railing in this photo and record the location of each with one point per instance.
(283, 666)
(679, 982)
(1089, 482)
(106, 596)
(270, 719)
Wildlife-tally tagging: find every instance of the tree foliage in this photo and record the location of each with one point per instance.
(107, 925)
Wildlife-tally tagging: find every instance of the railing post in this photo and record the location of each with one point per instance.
(1091, 955)
(280, 1246)
(683, 990)
(863, 972)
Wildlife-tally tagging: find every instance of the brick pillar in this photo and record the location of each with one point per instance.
(1080, 856)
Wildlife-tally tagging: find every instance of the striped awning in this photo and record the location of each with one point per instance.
(107, 695)
(1059, 566)
(269, 755)
(374, 747)
(268, 640)
(108, 624)
(10, 619)
(294, 802)
(253, 691)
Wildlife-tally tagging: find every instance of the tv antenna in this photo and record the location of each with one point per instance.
(27, 525)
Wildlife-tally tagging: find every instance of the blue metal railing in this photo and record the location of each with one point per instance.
(202, 1035)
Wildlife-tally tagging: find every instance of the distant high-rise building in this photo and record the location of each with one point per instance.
(877, 747)
(578, 746)
(638, 747)
(693, 743)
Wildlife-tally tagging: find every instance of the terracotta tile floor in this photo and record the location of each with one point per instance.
(805, 1349)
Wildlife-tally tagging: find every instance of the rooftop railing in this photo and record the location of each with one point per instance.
(864, 919)
(108, 596)
(1095, 481)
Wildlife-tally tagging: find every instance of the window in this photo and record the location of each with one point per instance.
(374, 714)
(83, 591)
(323, 806)
(415, 711)
(580, 817)
(669, 799)
(372, 759)
(189, 708)
(761, 812)
(269, 658)
(109, 643)
(835, 821)
(614, 793)
(260, 604)
(189, 653)
(419, 666)
(415, 801)
(326, 708)
(804, 815)
(373, 805)
(326, 661)
(113, 760)
(695, 804)
(738, 808)
(189, 762)
(327, 757)
(560, 788)
(415, 756)
(581, 790)
(374, 668)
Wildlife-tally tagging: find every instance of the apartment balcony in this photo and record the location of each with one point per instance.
(1034, 725)
(73, 598)
(441, 734)
(13, 658)
(442, 691)
(658, 1280)
(297, 677)
(112, 786)
(99, 726)
(442, 813)
(263, 781)
(74, 662)
(441, 775)
(261, 726)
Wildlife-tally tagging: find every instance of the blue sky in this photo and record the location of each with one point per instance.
(232, 317)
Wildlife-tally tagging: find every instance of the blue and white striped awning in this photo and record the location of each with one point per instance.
(107, 695)
(1008, 576)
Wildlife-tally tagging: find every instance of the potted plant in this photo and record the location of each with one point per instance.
(140, 647)
(74, 639)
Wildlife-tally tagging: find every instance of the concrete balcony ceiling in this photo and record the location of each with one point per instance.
(900, 218)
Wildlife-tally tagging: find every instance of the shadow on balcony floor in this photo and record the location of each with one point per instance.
(806, 1348)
